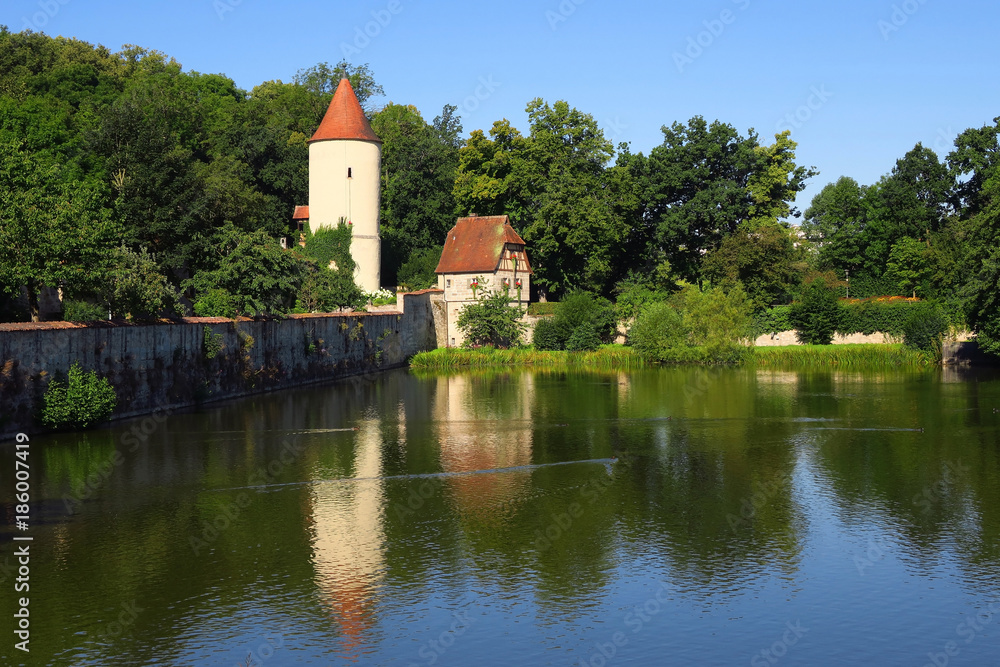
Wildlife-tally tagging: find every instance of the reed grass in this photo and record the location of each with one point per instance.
(840, 356)
(619, 357)
(608, 356)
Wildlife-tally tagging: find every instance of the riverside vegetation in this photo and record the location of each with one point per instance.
(198, 209)
(710, 326)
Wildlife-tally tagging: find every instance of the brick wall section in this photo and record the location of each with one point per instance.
(161, 366)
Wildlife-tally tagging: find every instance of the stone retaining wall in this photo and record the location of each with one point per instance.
(198, 359)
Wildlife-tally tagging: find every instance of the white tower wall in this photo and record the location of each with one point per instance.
(344, 180)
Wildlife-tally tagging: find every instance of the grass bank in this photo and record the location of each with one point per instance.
(608, 356)
(841, 356)
(619, 357)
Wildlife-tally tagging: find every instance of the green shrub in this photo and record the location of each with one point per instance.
(772, 320)
(216, 302)
(658, 332)
(633, 298)
(211, 343)
(875, 316)
(492, 321)
(584, 338)
(324, 290)
(547, 335)
(579, 308)
(716, 318)
(817, 316)
(926, 328)
(81, 401)
(135, 288)
(418, 272)
(83, 311)
(542, 308)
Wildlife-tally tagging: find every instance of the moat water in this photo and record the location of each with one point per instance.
(679, 516)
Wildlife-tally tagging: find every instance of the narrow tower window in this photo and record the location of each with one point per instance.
(348, 172)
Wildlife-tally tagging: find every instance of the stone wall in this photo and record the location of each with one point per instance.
(196, 360)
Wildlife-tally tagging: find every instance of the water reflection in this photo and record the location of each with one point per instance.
(865, 505)
(348, 541)
(484, 425)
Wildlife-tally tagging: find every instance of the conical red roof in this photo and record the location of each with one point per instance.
(344, 118)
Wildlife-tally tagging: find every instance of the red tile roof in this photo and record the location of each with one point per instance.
(300, 213)
(476, 244)
(344, 118)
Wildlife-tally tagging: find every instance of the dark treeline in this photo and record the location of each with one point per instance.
(126, 182)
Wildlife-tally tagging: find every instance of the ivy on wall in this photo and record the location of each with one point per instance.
(331, 244)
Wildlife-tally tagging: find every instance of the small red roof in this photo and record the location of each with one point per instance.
(344, 118)
(300, 213)
(477, 243)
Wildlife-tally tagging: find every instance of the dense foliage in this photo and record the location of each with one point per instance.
(817, 315)
(79, 401)
(491, 321)
(114, 164)
(581, 321)
(710, 326)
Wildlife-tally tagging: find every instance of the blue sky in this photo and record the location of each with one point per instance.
(859, 83)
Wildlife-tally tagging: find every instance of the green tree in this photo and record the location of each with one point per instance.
(696, 190)
(763, 259)
(817, 315)
(834, 222)
(909, 201)
(776, 181)
(418, 272)
(980, 292)
(552, 184)
(259, 275)
(973, 162)
(909, 265)
(418, 174)
(135, 287)
(324, 290)
(491, 320)
(53, 233)
(322, 81)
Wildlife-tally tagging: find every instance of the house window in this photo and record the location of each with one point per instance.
(447, 282)
(453, 342)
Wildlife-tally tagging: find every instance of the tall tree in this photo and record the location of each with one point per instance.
(418, 173)
(974, 160)
(776, 181)
(696, 190)
(762, 258)
(322, 80)
(552, 184)
(53, 233)
(909, 201)
(835, 221)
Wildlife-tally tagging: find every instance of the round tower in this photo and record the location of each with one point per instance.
(345, 158)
